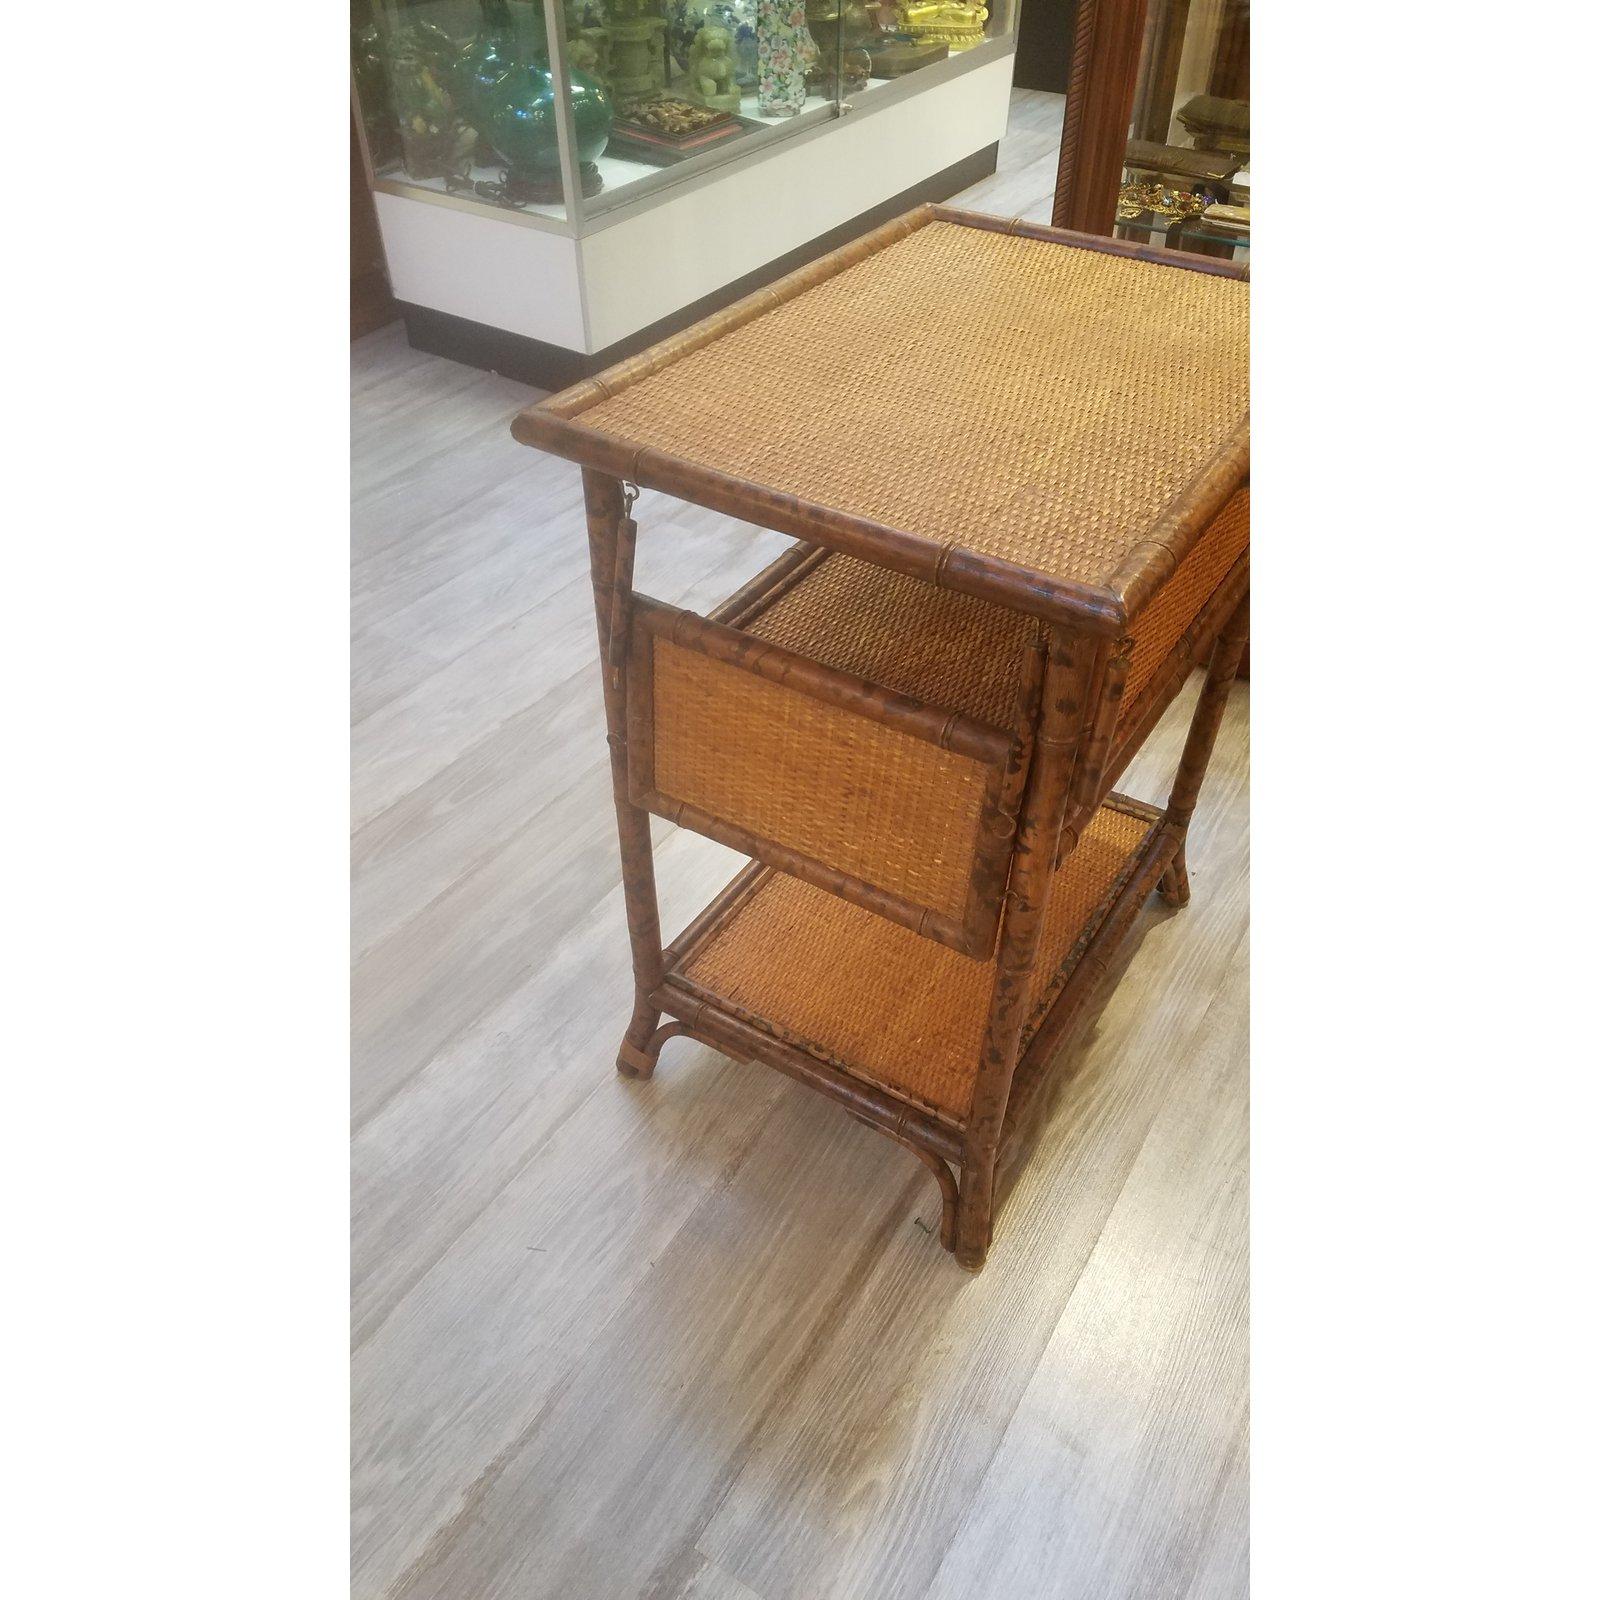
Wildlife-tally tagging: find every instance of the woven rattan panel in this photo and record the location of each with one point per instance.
(874, 999)
(945, 649)
(1178, 601)
(1050, 404)
(845, 790)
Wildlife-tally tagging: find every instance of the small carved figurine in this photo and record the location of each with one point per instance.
(637, 61)
(434, 143)
(588, 55)
(711, 69)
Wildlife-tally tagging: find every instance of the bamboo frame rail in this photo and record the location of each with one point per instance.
(916, 960)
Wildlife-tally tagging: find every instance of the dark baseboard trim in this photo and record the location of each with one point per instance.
(551, 366)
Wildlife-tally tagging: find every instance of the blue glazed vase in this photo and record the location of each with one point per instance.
(685, 18)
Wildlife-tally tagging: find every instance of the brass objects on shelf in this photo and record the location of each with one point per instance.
(1135, 199)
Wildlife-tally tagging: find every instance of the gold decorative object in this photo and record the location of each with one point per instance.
(944, 22)
(1134, 199)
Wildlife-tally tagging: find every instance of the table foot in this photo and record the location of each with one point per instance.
(1173, 885)
(641, 1044)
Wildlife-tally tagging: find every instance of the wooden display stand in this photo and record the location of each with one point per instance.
(1019, 536)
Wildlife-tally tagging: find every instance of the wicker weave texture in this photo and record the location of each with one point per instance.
(866, 799)
(877, 1001)
(946, 649)
(1106, 384)
(1178, 601)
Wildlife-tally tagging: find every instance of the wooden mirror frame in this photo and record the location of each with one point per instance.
(1107, 41)
(1104, 99)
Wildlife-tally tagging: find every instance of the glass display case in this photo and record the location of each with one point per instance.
(569, 108)
(757, 128)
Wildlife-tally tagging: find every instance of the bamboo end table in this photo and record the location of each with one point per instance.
(1019, 529)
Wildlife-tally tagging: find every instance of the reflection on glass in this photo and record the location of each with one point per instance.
(1186, 176)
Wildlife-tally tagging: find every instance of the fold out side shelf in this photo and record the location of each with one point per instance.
(913, 721)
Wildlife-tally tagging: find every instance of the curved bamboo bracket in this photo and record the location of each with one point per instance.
(946, 1179)
(632, 1062)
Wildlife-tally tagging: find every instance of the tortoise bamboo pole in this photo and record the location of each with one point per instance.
(1197, 748)
(991, 870)
(618, 631)
(768, 586)
(1018, 228)
(713, 915)
(1087, 974)
(1073, 664)
(945, 565)
(1173, 885)
(611, 572)
(1024, 725)
(1083, 793)
(1177, 531)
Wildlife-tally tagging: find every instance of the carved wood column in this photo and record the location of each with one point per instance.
(1106, 46)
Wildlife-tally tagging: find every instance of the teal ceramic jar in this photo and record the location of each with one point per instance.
(508, 93)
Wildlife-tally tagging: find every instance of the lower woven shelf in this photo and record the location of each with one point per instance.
(874, 1000)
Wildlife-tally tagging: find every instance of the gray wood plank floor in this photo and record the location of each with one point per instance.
(693, 1339)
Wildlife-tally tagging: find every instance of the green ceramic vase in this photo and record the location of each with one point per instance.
(507, 91)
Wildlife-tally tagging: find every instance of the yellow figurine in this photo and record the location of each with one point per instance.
(944, 22)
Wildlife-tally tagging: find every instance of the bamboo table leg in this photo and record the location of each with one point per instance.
(611, 570)
(1197, 748)
(1069, 673)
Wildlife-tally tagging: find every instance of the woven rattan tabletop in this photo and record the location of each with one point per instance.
(1025, 414)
